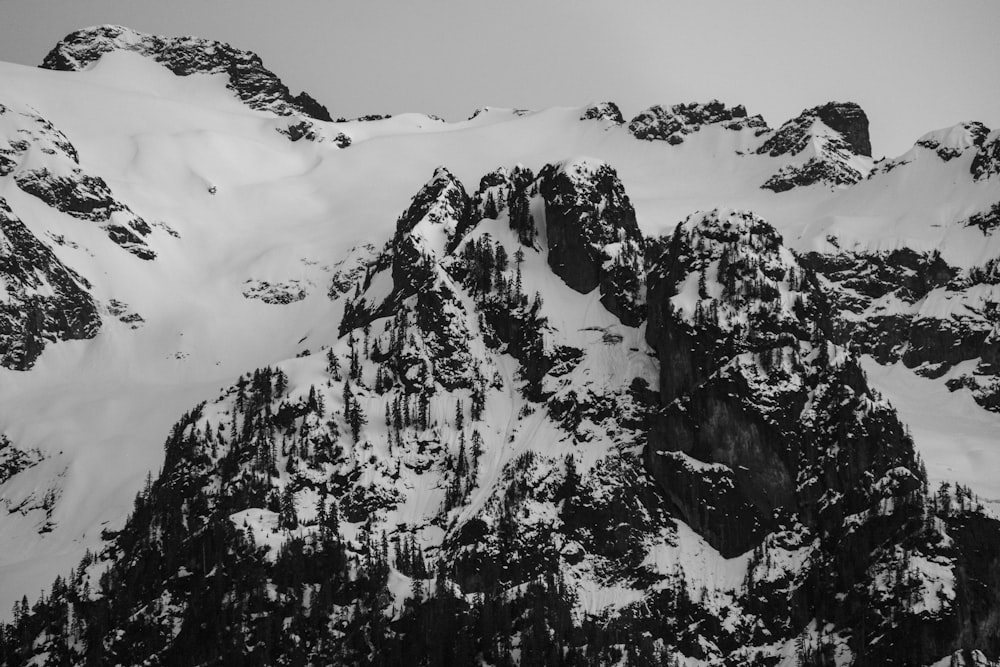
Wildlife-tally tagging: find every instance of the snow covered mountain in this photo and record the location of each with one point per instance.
(540, 387)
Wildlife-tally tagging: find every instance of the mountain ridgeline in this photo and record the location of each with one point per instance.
(450, 480)
(517, 427)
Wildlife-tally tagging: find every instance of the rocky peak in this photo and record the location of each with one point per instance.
(441, 203)
(850, 121)
(593, 238)
(607, 111)
(674, 123)
(426, 232)
(253, 83)
(828, 144)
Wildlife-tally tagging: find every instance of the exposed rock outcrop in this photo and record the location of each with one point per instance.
(986, 164)
(607, 111)
(45, 301)
(674, 123)
(593, 239)
(916, 308)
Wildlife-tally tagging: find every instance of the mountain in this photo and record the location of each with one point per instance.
(529, 388)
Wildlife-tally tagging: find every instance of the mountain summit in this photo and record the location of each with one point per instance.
(257, 86)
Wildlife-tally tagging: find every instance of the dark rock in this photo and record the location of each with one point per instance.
(45, 300)
(851, 121)
(986, 163)
(813, 171)
(87, 197)
(709, 499)
(674, 123)
(987, 220)
(608, 111)
(443, 322)
(750, 393)
(930, 344)
(306, 129)
(14, 461)
(593, 238)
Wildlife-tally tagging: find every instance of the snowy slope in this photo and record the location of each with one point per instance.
(237, 209)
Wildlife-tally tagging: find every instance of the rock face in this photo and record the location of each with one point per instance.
(593, 239)
(45, 301)
(752, 389)
(915, 308)
(827, 142)
(672, 124)
(850, 121)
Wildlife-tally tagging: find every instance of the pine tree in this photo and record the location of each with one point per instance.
(287, 516)
(490, 207)
(352, 412)
(333, 365)
(477, 452)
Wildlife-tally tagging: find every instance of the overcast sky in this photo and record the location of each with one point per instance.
(913, 65)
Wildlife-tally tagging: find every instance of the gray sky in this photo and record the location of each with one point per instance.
(913, 65)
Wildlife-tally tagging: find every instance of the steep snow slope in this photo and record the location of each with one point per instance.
(256, 214)
(958, 439)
